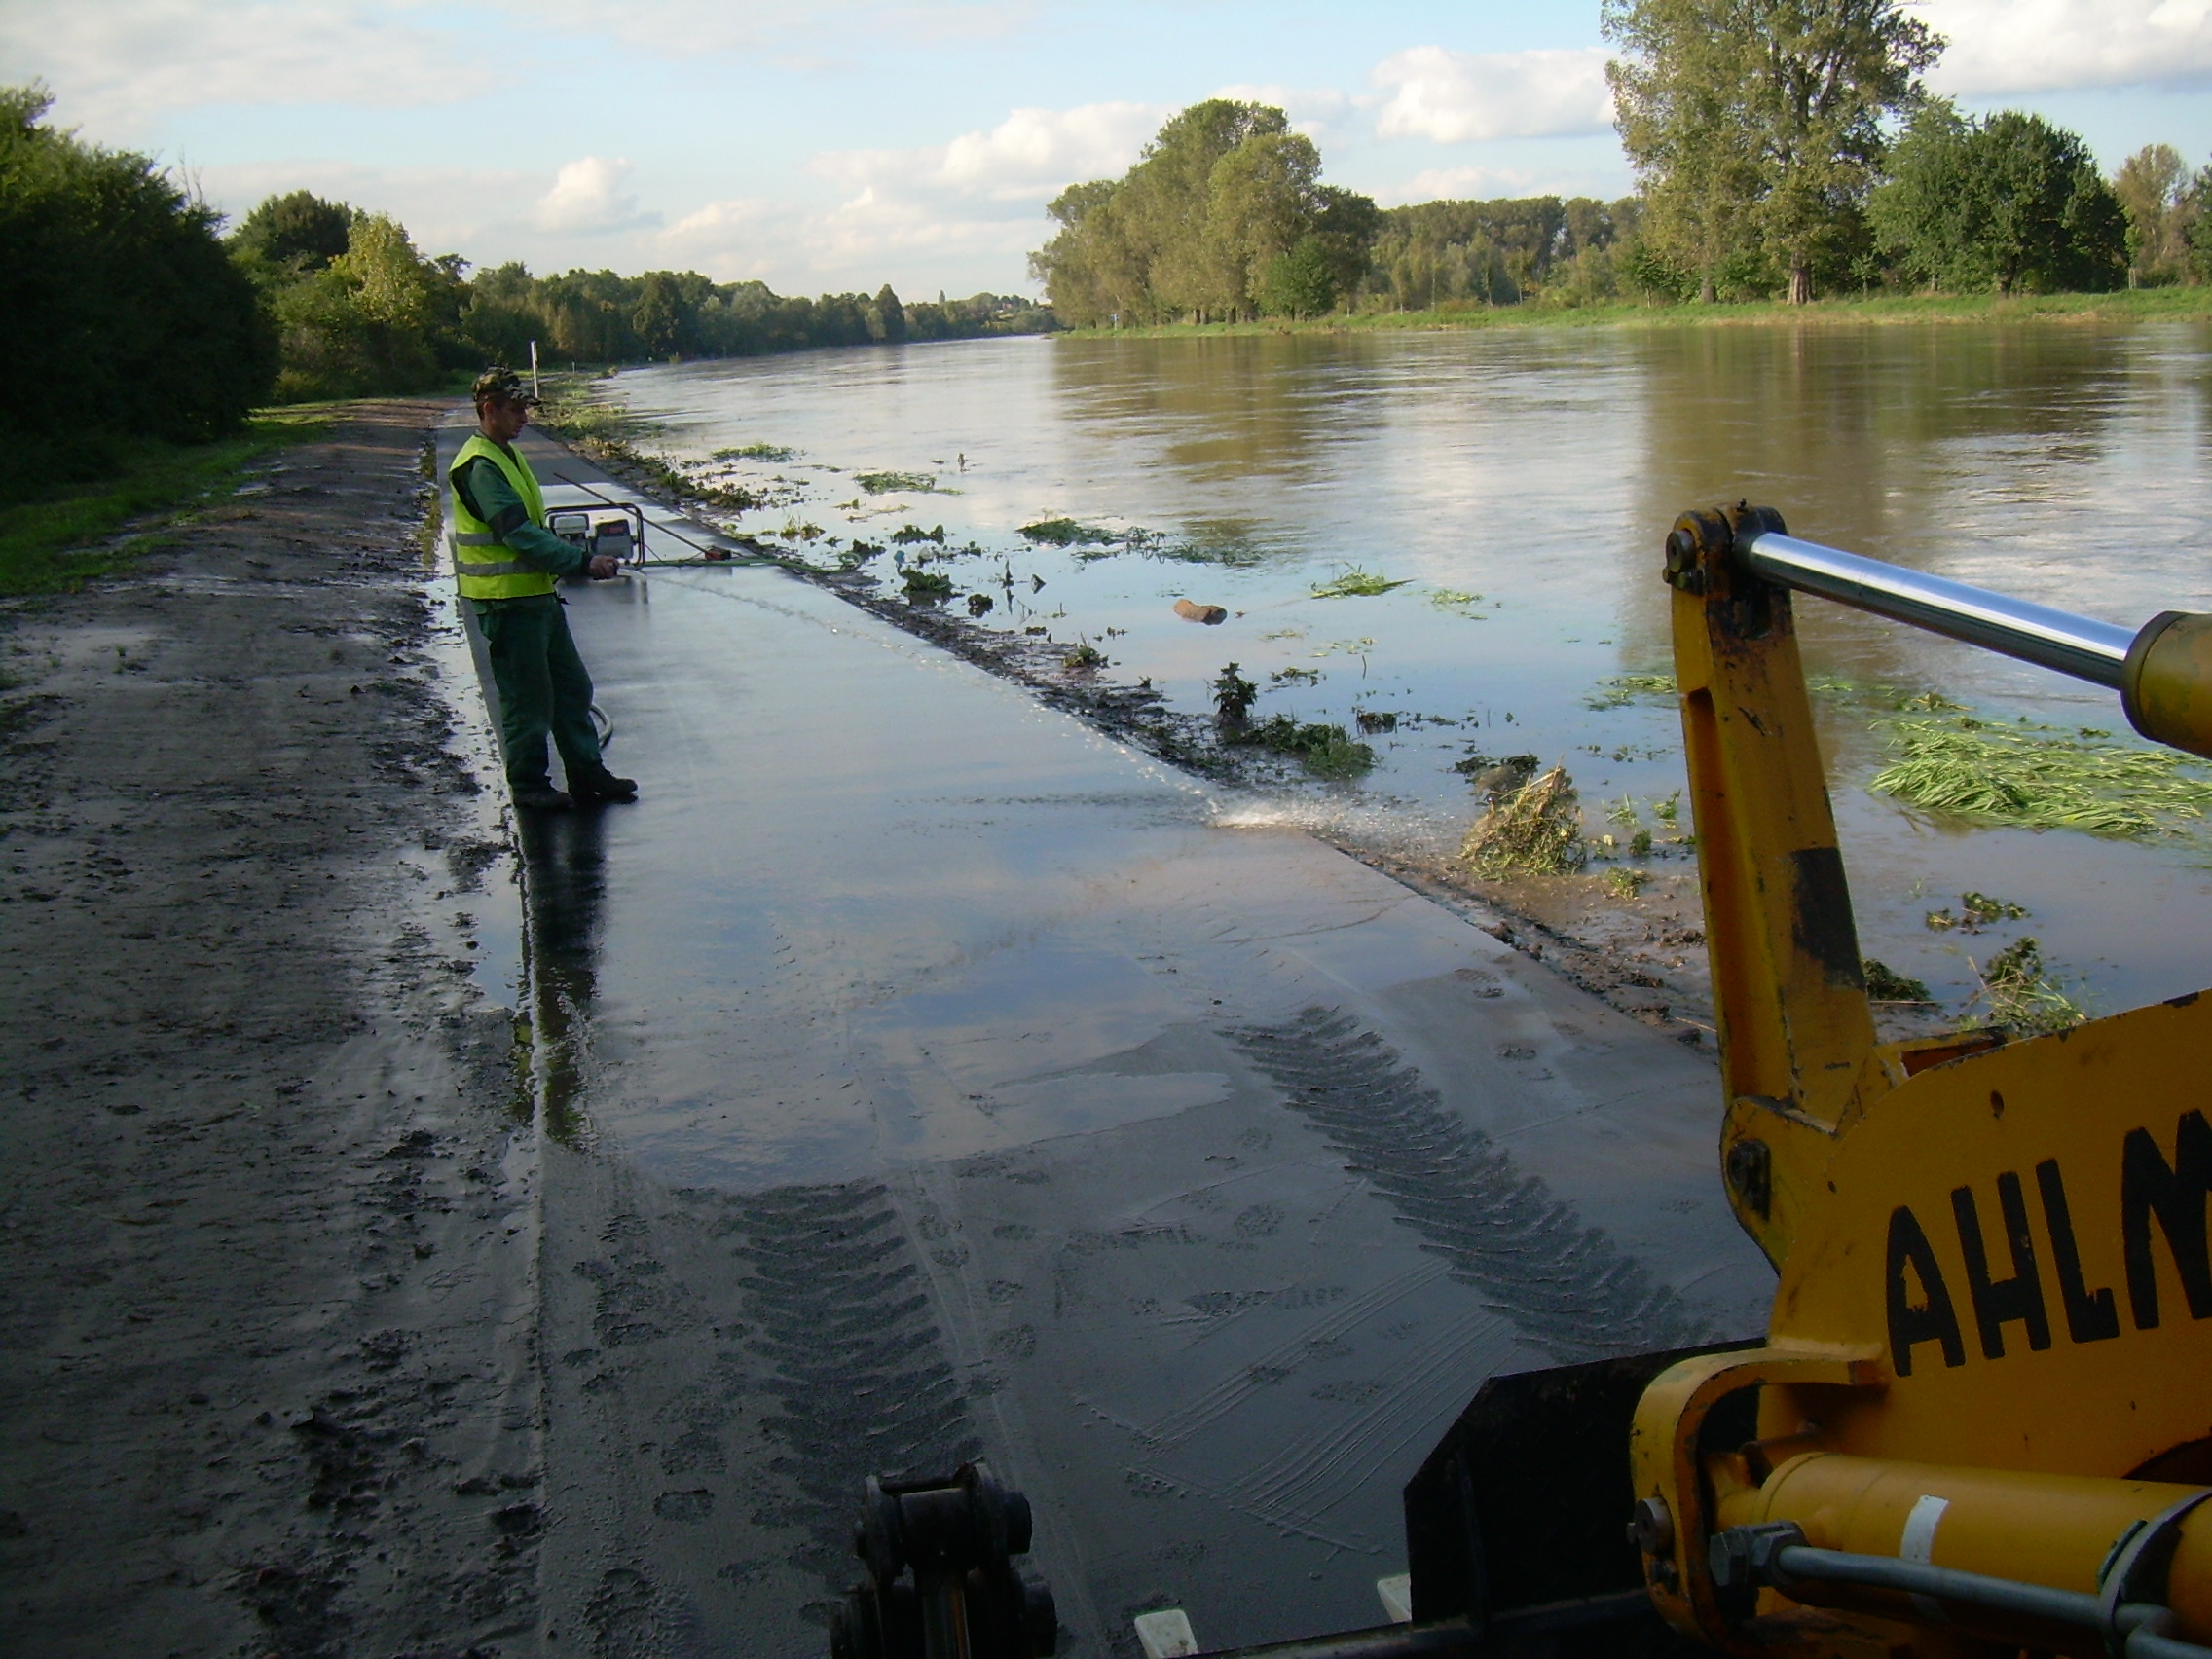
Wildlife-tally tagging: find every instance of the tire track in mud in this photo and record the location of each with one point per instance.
(860, 1373)
(1570, 1290)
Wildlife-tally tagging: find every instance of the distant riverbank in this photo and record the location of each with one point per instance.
(2140, 304)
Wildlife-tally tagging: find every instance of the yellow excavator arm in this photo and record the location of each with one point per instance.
(1983, 1414)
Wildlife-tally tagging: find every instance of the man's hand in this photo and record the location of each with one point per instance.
(603, 567)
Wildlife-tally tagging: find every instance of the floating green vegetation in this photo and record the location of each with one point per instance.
(1352, 582)
(1976, 911)
(1296, 677)
(927, 585)
(1885, 985)
(1458, 602)
(1067, 532)
(777, 453)
(906, 535)
(2038, 777)
(1084, 658)
(2018, 993)
(1325, 750)
(1624, 688)
(1536, 829)
(915, 482)
(798, 530)
(1347, 647)
(1622, 882)
(1284, 634)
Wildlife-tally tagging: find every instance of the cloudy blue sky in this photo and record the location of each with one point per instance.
(840, 144)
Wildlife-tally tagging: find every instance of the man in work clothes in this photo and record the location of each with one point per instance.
(508, 564)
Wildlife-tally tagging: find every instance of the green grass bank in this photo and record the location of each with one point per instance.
(72, 534)
(2140, 304)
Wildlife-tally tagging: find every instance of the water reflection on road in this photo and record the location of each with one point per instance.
(1538, 468)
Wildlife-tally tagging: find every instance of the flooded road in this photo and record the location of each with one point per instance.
(923, 1075)
(1517, 485)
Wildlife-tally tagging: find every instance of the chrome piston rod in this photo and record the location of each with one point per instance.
(2078, 645)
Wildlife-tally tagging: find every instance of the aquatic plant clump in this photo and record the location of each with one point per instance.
(2018, 993)
(1233, 698)
(1885, 985)
(777, 453)
(1355, 584)
(1536, 829)
(1622, 689)
(1325, 750)
(1066, 532)
(2035, 777)
(914, 483)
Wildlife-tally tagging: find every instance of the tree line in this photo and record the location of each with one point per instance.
(128, 312)
(1783, 149)
(358, 307)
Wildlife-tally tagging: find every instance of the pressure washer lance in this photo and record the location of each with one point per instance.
(964, 1599)
(715, 553)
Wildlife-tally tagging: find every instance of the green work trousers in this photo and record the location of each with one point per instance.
(544, 688)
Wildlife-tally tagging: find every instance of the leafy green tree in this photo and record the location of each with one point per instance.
(121, 314)
(2009, 204)
(2199, 203)
(890, 316)
(2153, 186)
(294, 232)
(1198, 228)
(1760, 120)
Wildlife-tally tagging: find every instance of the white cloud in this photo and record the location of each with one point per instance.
(688, 29)
(1029, 157)
(1462, 184)
(2027, 45)
(587, 197)
(443, 208)
(1457, 96)
(118, 65)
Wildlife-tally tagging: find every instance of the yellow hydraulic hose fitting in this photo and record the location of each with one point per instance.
(2167, 685)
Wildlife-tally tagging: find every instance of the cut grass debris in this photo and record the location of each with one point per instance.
(2018, 993)
(776, 453)
(1536, 829)
(83, 531)
(1496, 777)
(1622, 882)
(1352, 582)
(2037, 777)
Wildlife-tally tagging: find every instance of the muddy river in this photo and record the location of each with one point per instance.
(1516, 487)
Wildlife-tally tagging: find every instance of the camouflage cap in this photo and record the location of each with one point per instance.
(498, 384)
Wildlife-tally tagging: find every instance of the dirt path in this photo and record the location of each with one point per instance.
(267, 1383)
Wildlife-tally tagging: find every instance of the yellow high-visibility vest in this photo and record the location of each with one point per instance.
(482, 565)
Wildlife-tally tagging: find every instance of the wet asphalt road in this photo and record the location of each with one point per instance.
(924, 1075)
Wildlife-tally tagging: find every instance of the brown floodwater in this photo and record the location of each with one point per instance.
(1518, 484)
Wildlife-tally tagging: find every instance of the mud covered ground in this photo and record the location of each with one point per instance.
(265, 1258)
